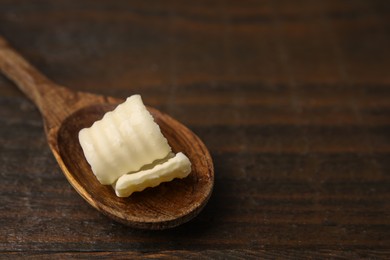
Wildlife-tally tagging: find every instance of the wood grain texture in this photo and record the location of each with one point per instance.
(65, 113)
(166, 206)
(292, 99)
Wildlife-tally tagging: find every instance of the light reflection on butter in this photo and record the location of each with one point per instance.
(126, 149)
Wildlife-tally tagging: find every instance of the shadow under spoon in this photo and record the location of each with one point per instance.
(66, 112)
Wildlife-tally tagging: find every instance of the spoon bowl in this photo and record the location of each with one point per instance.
(164, 206)
(66, 112)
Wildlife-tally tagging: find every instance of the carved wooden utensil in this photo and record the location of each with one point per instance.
(66, 112)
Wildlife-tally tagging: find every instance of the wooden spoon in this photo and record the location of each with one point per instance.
(66, 112)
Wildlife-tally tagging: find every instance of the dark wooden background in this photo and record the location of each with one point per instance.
(291, 97)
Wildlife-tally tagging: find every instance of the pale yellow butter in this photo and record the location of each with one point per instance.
(176, 167)
(125, 140)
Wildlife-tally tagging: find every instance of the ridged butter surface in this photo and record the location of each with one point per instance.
(176, 167)
(123, 141)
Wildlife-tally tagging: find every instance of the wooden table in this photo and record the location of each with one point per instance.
(291, 97)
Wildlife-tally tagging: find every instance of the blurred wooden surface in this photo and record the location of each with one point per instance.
(291, 97)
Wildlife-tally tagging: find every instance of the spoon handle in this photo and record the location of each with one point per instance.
(29, 80)
(53, 101)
